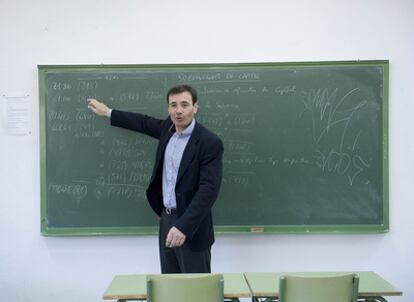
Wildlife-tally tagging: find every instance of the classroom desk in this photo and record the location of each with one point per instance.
(371, 286)
(134, 287)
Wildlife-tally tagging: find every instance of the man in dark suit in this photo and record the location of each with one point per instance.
(185, 181)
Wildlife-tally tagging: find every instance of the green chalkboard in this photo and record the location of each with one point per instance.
(306, 145)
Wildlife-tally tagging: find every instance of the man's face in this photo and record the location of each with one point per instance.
(181, 110)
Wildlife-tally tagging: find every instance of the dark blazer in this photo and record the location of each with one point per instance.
(198, 180)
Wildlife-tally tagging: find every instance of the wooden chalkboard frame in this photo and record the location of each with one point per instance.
(81, 231)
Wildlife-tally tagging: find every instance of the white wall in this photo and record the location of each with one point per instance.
(36, 268)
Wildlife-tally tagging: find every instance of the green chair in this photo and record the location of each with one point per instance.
(335, 288)
(185, 288)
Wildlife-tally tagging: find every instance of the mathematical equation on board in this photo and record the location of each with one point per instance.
(123, 165)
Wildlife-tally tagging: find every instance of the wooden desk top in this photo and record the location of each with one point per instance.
(135, 287)
(370, 283)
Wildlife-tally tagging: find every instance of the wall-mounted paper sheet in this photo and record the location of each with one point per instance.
(16, 115)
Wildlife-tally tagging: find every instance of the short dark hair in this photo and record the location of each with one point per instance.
(183, 88)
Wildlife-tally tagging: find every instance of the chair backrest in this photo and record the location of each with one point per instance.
(185, 288)
(335, 288)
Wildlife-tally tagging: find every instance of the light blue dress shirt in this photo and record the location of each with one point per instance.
(172, 159)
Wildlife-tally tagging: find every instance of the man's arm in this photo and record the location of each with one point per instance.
(128, 120)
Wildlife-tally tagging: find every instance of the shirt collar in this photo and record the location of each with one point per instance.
(189, 130)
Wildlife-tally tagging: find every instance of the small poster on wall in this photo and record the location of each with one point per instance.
(16, 112)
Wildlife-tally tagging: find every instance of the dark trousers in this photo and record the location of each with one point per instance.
(180, 259)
